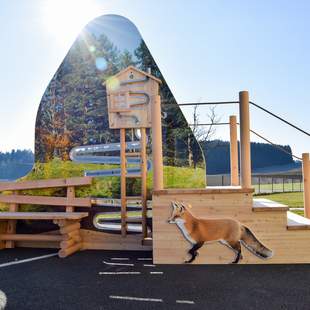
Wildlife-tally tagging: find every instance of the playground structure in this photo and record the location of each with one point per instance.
(134, 104)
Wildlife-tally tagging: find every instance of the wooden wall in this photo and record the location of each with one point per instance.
(170, 247)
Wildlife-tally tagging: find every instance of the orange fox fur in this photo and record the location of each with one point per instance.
(229, 232)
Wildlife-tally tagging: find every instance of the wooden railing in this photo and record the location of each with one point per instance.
(68, 221)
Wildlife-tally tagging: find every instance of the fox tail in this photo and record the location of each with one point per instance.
(249, 240)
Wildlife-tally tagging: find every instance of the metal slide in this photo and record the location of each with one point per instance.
(89, 154)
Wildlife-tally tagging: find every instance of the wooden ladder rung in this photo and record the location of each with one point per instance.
(134, 197)
(133, 220)
(133, 154)
(131, 176)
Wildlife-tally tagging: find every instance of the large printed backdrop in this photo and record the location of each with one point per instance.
(73, 109)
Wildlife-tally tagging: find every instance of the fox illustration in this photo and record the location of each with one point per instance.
(228, 232)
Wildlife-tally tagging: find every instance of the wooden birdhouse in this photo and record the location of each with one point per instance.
(131, 93)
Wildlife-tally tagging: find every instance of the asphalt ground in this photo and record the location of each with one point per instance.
(75, 283)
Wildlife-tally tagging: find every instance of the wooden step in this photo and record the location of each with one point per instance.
(147, 241)
(297, 222)
(263, 205)
(31, 237)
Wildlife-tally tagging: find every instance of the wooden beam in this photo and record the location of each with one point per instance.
(46, 200)
(37, 184)
(30, 237)
(143, 181)
(234, 165)
(157, 152)
(11, 229)
(123, 182)
(306, 179)
(245, 155)
(42, 215)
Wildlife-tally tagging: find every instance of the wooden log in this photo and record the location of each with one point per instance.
(306, 179)
(68, 251)
(67, 243)
(75, 235)
(30, 237)
(69, 228)
(45, 200)
(245, 146)
(158, 179)
(37, 184)
(123, 182)
(144, 181)
(234, 165)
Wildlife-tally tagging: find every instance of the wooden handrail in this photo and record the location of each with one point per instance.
(46, 200)
(38, 184)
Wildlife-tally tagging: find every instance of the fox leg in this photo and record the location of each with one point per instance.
(237, 248)
(193, 252)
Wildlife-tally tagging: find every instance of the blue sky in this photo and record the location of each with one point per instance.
(207, 51)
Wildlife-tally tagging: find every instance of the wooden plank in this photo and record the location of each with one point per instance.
(46, 183)
(297, 222)
(42, 215)
(46, 200)
(207, 190)
(123, 182)
(30, 237)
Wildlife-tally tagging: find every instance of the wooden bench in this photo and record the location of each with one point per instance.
(69, 238)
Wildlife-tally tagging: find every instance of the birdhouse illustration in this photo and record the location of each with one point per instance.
(131, 92)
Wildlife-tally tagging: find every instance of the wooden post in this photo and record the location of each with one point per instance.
(70, 195)
(11, 226)
(158, 180)
(245, 139)
(234, 165)
(306, 178)
(143, 181)
(123, 182)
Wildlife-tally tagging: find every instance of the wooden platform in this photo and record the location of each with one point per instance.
(297, 222)
(42, 215)
(268, 220)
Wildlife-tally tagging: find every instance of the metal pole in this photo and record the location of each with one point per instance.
(306, 179)
(234, 165)
(245, 139)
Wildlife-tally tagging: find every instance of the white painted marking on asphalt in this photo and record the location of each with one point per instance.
(117, 264)
(136, 298)
(119, 272)
(3, 300)
(119, 258)
(156, 272)
(149, 265)
(27, 260)
(190, 302)
(145, 258)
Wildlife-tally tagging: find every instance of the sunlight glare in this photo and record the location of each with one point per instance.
(65, 18)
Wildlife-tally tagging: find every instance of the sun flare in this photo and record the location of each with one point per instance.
(65, 18)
